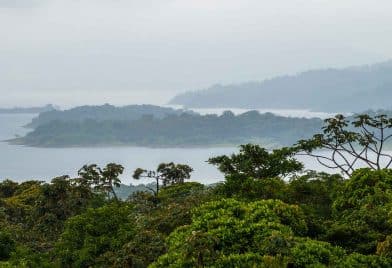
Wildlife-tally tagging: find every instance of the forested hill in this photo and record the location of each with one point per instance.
(103, 113)
(330, 90)
(175, 130)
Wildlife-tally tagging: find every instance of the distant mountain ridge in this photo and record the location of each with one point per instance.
(351, 89)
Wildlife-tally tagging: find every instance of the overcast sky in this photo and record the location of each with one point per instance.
(71, 52)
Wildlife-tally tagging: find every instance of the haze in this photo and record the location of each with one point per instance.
(72, 52)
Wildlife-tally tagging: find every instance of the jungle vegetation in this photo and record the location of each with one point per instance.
(268, 212)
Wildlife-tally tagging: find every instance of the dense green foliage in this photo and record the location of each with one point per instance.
(361, 212)
(7, 245)
(256, 162)
(175, 130)
(95, 236)
(103, 113)
(226, 227)
(267, 213)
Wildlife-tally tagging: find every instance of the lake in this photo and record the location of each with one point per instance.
(21, 163)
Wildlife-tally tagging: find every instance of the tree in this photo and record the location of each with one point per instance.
(94, 237)
(368, 261)
(88, 175)
(247, 233)
(101, 179)
(174, 173)
(315, 193)
(7, 188)
(53, 207)
(351, 142)
(255, 173)
(361, 211)
(166, 173)
(251, 189)
(256, 162)
(110, 178)
(7, 245)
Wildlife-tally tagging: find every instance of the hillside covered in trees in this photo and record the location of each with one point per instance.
(104, 113)
(318, 90)
(268, 212)
(183, 129)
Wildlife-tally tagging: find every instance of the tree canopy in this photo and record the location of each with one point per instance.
(268, 212)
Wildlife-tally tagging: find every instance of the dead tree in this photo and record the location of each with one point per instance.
(349, 142)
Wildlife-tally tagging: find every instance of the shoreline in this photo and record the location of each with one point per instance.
(127, 145)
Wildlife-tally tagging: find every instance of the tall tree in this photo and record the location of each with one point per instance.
(256, 162)
(103, 180)
(166, 173)
(110, 178)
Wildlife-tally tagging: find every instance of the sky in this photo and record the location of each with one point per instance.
(74, 52)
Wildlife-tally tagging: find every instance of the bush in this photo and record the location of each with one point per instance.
(357, 260)
(310, 252)
(252, 189)
(361, 211)
(222, 228)
(94, 236)
(7, 245)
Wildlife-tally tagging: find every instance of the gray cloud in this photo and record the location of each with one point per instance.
(129, 51)
(21, 3)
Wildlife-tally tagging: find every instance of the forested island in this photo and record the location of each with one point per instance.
(327, 90)
(163, 127)
(268, 211)
(104, 113)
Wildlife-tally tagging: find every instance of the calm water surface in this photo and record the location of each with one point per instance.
(21, 163)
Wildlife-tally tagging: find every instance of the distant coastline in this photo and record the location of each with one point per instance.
(158, 127)
(28, 110)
